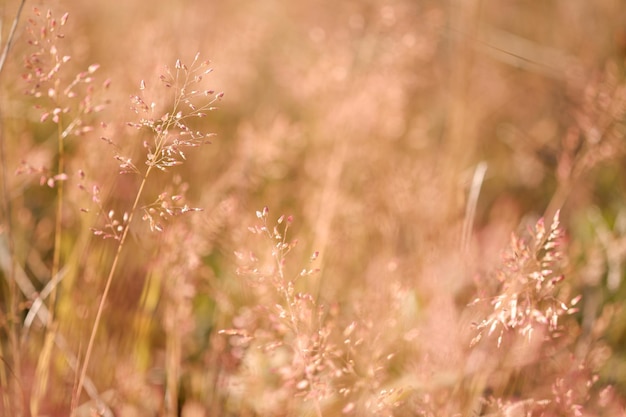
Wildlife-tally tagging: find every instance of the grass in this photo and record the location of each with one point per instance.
(395, 209)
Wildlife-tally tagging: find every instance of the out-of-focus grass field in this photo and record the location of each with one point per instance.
(406, 139)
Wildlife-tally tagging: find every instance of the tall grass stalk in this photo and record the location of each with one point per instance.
(107, 286)
(171, 134)
(15, 389)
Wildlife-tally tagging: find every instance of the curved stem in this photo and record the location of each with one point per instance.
(7, 47)
(107, 286)
(160, 141)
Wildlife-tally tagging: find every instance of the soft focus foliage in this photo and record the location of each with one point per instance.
(264, 208)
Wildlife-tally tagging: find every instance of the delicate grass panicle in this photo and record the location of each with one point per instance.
(528, 295)
(61, 95)
(285, 329)
(70, 100)
(169, 135)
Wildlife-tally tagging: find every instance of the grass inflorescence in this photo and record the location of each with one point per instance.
(397, 209)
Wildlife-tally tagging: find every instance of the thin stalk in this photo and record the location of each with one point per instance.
(109, 280)
(161, 136)
(7, 47)
(470, 208)
(58, 232)
(160, 142)
(13, 291)
(173, 357)
(4, 381)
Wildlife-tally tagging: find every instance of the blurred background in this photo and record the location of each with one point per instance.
(407, 139)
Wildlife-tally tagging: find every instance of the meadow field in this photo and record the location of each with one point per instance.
(312, 208)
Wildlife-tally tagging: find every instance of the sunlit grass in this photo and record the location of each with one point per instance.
(403, 208)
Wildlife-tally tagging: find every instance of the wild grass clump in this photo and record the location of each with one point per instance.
(446, 233)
